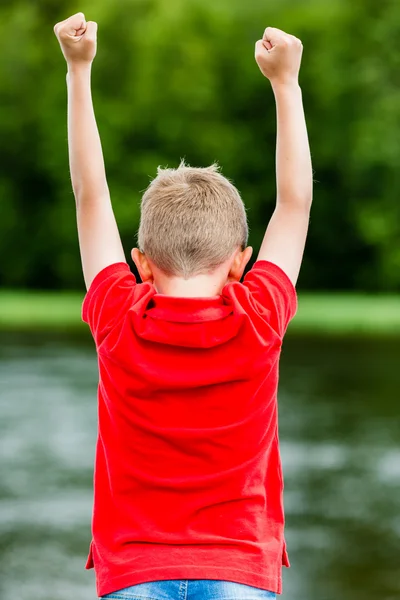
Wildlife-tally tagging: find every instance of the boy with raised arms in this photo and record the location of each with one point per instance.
(188, 490)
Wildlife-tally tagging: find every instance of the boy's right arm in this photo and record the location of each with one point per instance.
(278, 56)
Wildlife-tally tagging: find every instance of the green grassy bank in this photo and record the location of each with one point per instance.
(334, 314)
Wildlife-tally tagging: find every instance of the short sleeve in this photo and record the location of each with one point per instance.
(108, 299)
(271, 290)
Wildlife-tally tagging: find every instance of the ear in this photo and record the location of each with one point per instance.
(239, 264)
(142, 265)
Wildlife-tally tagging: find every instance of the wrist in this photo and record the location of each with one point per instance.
(279, 85)
(79, 67)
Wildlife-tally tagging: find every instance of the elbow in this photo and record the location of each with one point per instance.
(77, 194)
(89, 195)
(78, 189)
(300, 202)
(82, 198)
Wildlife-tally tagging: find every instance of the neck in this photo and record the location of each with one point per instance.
(196, 287)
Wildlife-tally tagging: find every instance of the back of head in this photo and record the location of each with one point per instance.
(192, 220)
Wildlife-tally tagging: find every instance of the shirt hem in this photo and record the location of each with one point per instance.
(113, 584)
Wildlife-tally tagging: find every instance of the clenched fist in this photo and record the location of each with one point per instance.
(278, 55)
(77, 38)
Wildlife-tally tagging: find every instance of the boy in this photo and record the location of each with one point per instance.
(188, 481)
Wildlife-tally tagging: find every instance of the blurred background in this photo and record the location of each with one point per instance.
(177, 79)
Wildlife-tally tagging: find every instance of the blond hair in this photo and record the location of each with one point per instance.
(192, 220)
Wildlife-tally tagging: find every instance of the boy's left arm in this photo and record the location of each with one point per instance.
(99, 240)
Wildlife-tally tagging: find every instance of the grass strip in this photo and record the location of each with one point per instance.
(325, 314)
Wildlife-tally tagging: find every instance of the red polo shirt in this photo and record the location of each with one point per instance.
(188, 479)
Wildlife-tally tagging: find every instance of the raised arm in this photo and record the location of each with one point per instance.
(99, 239)
(278, 55)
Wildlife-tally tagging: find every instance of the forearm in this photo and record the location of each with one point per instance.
(293, 158)
(85, 153)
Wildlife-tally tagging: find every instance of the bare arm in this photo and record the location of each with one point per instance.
(279, 56)
(99, 239)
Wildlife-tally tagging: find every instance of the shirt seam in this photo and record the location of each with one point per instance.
(98, 279)
(284, 279)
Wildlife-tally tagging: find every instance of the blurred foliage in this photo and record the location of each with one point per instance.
(177, 78)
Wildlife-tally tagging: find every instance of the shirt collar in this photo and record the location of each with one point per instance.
(188, 310)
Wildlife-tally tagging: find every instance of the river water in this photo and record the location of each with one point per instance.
(340, 442)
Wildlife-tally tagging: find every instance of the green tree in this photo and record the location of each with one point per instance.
(177, 78)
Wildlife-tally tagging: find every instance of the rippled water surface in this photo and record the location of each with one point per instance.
(340, 441)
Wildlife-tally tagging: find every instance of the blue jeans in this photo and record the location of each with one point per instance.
(191, 589)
